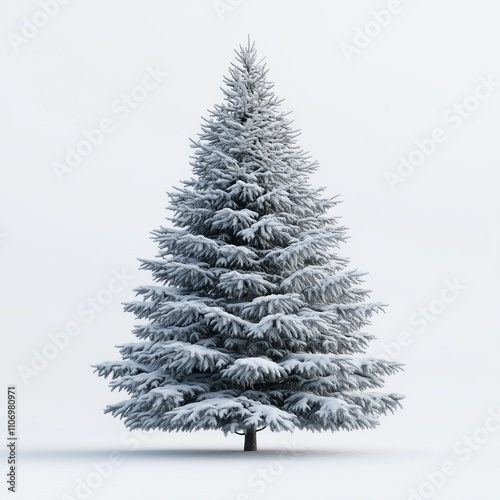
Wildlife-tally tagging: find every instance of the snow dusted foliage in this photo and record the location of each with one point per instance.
(255, 320)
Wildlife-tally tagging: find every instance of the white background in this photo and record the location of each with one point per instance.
(61, 241)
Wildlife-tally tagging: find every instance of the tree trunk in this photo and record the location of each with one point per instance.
(250, 441)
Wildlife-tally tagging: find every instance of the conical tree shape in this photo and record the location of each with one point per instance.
(255, 321)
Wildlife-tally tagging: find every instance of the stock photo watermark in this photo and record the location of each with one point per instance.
(223, 7)
(11, 438)
(103, 470)
(364, 35)
(121, 108)
(261, 479)
(453, 119)
(87, 310)
(423, 318)
(463, 450)
(32, 25)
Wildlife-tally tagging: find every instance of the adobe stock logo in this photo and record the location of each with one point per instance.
(86, 485)
(454, 117)
(31, 26)
(364, 36)
(222, 7)
(259, 481)
(465, 448)
(422, 319)
(88, 310)
(121, 108)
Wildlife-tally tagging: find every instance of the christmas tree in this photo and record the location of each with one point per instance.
(255, 321)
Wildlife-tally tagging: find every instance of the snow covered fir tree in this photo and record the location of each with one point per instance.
(255, 321)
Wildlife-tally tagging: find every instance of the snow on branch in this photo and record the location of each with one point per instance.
(177, 358)
(246, 372)
(244, 285)
(227, 414)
